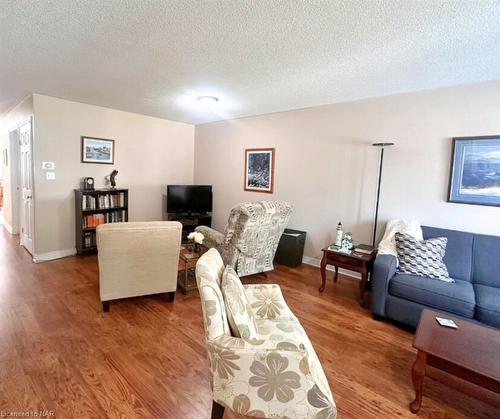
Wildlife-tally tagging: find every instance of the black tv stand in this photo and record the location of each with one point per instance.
(190, 220)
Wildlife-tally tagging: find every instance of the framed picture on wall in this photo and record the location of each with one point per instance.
(98, 150)
(259, 170)
(475, 170)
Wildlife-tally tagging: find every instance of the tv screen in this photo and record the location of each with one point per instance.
(189, 198)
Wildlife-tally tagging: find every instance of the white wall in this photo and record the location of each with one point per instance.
(326, 167)
(149, 154)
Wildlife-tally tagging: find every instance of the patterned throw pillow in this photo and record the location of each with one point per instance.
(422, 257)
(239, 313)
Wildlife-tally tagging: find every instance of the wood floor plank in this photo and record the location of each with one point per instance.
(146, 358)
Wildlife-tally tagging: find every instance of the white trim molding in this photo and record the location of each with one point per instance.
(58, 254)
(317, 262)
(8, 227)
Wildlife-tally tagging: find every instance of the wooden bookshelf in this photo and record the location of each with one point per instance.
(94, 207)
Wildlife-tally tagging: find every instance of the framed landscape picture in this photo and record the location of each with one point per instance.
(475, 170)
(259, 169)
(98, 150)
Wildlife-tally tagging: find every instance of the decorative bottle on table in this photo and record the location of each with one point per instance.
(340, 232)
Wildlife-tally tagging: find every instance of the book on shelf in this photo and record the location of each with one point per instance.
(92, 221)
(105, 201)
(89, 240)
(365, 249)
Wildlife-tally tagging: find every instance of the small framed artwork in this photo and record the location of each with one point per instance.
(98, 150)
(259, 170)
(475, 171)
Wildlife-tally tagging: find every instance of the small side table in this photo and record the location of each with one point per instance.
(358, 262)
(187, 263)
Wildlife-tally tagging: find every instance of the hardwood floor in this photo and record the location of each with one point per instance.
(146, 357)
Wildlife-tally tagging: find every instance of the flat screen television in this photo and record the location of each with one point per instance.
(189, 198)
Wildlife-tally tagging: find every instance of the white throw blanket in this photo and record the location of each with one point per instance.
(388, 244)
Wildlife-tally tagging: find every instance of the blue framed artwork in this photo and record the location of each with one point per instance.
(475, 171)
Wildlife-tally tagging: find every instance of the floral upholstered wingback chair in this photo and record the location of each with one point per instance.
(251, 236)
(277, 374)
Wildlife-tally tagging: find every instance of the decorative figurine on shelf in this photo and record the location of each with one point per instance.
(197, 238)
(347, 243)
(112, 178)
(338, 238)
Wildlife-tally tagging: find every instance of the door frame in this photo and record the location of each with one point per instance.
(14, 168)
(20, 197)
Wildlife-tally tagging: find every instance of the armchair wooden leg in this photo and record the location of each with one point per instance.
(171, 296)
(105, 306)
(217, 411)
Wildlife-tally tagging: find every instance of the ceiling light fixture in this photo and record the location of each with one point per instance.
(207, 100)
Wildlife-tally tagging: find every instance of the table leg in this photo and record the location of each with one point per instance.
(184, 288)
(362, 285)
(323, 274)
(336, 276)
(417, 375)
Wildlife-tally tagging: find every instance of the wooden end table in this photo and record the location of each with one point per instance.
(187, 263)
(358, 262)
(471, 353)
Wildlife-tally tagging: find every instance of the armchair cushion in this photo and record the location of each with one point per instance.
(239, 313)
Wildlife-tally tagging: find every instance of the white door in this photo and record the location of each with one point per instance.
(26, 224)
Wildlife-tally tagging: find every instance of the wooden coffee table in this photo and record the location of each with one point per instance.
(471, 353)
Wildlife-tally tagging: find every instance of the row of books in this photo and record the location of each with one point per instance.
(116, 200)
(92, 221)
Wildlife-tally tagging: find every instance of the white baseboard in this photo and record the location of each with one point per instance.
(58, 254)
(317, 262)
(8, 227)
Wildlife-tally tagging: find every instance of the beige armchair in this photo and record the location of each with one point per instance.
(276, 375)
(251, 236)
(138, 258)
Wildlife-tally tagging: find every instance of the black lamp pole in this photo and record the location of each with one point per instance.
(382, 146)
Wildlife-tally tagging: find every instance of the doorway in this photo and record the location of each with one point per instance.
(19, 184)
(26, 182)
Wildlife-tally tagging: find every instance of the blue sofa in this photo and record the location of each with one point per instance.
(473, 261)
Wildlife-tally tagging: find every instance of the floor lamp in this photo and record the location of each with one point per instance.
(382, 147)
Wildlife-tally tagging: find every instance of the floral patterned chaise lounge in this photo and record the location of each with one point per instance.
(277, 374)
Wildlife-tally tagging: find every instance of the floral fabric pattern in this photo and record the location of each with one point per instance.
(222, 362)
(273, 379)
(239, 313)
(275, 374)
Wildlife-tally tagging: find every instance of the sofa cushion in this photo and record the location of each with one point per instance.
(239, 313)
(488, 305)
(422, 257)
(458, 256)
(290, 334)
(455, 297)
(486, 269)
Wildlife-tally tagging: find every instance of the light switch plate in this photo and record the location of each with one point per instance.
(48, 165)
(50, 175)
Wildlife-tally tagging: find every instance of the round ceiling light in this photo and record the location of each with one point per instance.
(207, 100)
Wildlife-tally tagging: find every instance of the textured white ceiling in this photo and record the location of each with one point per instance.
(258, 56)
